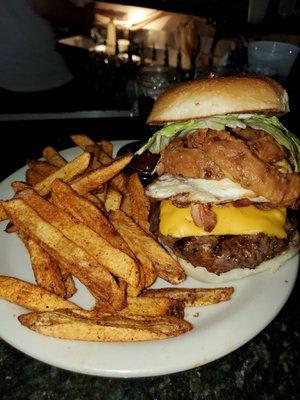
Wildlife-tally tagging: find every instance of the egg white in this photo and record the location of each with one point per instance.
(199, 190)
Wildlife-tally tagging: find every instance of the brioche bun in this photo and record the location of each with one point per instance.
(220, 96)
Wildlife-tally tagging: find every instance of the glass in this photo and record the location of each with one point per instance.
(152, 82)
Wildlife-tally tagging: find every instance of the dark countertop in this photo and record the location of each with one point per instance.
(266, 368)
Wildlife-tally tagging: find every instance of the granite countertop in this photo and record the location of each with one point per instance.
(266, 368)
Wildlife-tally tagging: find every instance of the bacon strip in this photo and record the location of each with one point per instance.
(203, 216)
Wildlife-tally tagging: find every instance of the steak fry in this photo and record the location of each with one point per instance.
(96, 278)
(65, 324)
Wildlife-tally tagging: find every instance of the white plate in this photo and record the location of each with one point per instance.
(218, 329)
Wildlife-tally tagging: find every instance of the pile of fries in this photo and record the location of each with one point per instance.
(86, 219)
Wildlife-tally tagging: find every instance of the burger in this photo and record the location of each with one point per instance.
(228, 180)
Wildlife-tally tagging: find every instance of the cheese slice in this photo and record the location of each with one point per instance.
(178, 222)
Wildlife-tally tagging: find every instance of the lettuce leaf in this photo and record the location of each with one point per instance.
(162, 138)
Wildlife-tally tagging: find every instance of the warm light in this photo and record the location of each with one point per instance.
(123, 45)
(134, 16)
(100, 48)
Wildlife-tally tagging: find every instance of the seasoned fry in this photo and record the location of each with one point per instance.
(135, 291)
(53, 157)
(67, 279)
(166, 267)
(97, 177)
(100, 193)
(79, 263)
(65, 324)
(193, 297)
(117, 262)
(18, 186)
(82, 141)
(150, 272)
(65, 173)
(3, 215)
(95, 200)
(113, 199)
(107, 147)
(30, 296)
(140, 203)
(126, 205)
(42, 167)
(65, 197)
(33, 177)
(105, 158)
(119, 182)
(46, 271)
(143, 306)
(95, 151)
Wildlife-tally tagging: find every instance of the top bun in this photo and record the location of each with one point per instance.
(219, 96)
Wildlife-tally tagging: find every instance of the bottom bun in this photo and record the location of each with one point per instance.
(201, 274)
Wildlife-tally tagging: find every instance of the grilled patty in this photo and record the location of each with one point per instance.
(220, 254)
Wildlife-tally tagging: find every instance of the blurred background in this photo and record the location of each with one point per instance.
(72, 66)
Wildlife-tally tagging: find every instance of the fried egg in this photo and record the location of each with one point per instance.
(189, 190)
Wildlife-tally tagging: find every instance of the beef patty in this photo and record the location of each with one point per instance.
(220, 254)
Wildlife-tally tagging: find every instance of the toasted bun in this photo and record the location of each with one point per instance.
(201, 274)
(218, 96)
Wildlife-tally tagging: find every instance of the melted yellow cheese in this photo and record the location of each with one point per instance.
(178, 222)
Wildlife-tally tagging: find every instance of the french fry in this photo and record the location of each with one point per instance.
(146, 264)
(126, 205)
(140, 203)
(65, 197)
(3, 215)
(117, 262)
(107, 147)
(53, 157)
(95, 151)
(65, 324)
(119, 182)
(93, 179)
(79, 263)
(42, 167)
(65, 173)
(105, 158)
(166, 267)
(135, 291)
(33, 177)
(100, 193)
(95, 200)
(67, 279)
(30, 296)
(45, 269)
(82, 141)
(113, 199)
(192, 297)
(143, 306)
(18, 186)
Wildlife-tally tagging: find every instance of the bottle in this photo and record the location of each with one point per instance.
(166, 57)
(192, 69)
(179, 65)
(153, 53)
(142, 54)
(130, 52)
(117, 48)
